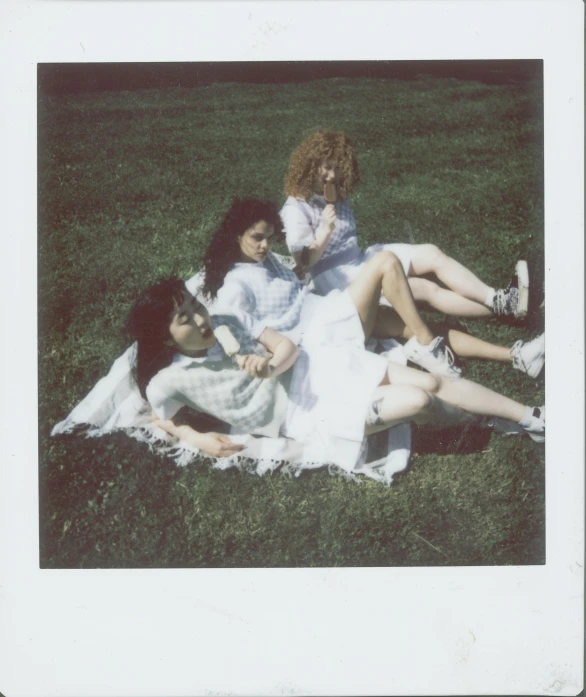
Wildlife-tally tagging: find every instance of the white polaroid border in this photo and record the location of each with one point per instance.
(305, 631)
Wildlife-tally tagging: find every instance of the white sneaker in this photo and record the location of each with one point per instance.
(514, 300)
(536, 428)
(529, 356)
(437, 358)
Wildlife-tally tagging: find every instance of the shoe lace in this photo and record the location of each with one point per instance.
(441, 348)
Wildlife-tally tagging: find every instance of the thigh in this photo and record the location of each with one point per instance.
(401, 375)
(364, 291)
(423, 259)
(394, 404)
(422, 289)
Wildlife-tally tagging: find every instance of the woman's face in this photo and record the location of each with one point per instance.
(190, 329)
(256, 242)
(328, 172)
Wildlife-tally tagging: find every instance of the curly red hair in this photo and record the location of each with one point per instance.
(311, 154)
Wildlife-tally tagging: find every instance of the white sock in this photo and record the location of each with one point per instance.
(527, 417)
(489, 297)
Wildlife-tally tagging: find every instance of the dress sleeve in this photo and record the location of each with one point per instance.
(234, 299)
(164, 406)
(297, 223)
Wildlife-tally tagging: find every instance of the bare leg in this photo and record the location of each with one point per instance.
(383, 272)
(407, 394)
(389, 324)
(394, 404)
(446, 301)
(427, 258)
(465, 394)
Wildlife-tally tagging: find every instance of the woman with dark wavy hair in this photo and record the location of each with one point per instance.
(251, 283)
(335, 394)
(321, 234)
(223, 251)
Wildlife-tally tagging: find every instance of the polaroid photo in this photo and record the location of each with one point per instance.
(406, 174)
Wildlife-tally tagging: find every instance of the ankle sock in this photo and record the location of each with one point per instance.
(490, 297)
(530, 412)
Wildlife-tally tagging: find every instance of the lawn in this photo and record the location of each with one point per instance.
(132, 185)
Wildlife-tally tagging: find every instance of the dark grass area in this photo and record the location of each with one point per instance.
(132, 185)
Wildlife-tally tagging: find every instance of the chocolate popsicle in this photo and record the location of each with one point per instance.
(330, 193)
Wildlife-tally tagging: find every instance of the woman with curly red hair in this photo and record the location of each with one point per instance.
(321, 234)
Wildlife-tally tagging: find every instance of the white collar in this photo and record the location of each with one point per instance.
(214, 353)
(252, 264)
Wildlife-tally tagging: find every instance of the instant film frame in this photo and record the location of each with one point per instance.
(476, 630)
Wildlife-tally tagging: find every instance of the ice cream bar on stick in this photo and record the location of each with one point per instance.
(226, 340)
(330, 193)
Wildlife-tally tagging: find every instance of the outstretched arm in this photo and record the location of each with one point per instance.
(213, 444)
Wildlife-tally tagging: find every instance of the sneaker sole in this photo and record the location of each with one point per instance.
(522, 273)
(536, 438)
(535, 371)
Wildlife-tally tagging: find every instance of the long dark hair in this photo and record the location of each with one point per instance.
(224, 251)
(148, 324)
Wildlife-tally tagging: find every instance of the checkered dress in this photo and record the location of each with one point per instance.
(301, 220)
(215, 385)
(263, 295)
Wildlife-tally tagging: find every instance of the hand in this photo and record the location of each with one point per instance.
(300, 272)
(255, 366)
(329, 218)
(214, 444)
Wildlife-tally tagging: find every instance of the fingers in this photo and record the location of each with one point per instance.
(227, 450)
(225, 446)
(253, 365)
(224, 439)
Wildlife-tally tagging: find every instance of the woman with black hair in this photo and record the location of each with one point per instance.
(335, 394)
(250, 282)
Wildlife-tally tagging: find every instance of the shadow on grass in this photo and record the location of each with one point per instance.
(450, 441)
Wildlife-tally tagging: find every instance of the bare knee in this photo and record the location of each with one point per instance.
(388, 263)
(421, 401)
(430, 383)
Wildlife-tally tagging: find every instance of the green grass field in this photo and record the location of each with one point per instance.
(132, 185)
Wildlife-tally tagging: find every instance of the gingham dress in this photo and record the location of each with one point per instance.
(342, 259)
(310, 403)
(266, 294)
(215, 385)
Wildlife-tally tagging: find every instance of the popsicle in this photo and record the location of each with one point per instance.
(226, 340)
(330, 193)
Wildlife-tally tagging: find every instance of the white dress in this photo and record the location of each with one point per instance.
(342, 259)
(339, 370)
(115, 404)
(328, 390)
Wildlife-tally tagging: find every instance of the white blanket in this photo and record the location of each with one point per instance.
(115, 404)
